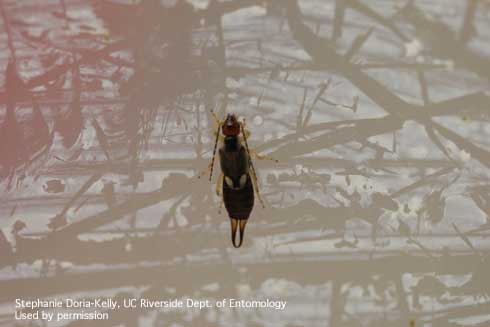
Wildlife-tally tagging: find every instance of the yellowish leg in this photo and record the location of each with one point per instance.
(246, 134)
(219, 184)
(252, 151)
(256, 187)
(205, 171)
(262, 157)
(217, 123)
(245, 130)
(221, 205)
(216, 119)
(220, 140)
(219, 187)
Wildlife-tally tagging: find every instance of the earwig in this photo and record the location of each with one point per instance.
(238, 176)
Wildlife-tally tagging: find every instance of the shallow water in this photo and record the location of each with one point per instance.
(376, 213)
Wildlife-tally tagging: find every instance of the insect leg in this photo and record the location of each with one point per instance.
(219, 187)
(253, 175)
(215, 118)
(246, 134)
(262, 157)
(221, 205)
(214, 152)
(211, 164)
(219, 184)
(256, 188)
(205, 171)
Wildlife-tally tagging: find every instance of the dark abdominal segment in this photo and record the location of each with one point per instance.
(239, 202)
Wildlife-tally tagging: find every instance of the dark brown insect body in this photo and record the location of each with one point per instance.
(238, 175)
(238, 192)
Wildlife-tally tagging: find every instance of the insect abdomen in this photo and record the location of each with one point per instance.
(239, 202)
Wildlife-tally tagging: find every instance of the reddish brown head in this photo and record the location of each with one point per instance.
(230, 127)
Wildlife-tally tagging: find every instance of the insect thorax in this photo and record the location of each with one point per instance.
(233, 158)
(231, 144)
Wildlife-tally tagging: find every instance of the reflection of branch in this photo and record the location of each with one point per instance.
(135, 203)
(358, 43)
(476, 102)
(325, 55)
(180, 274)
(340, 9)
(368, 12)
(239, 71)
(224, 7)
(468, 29)
(476, 152)
(435, 139)
(338, 21)
(82, 168)
(466, 240)
(357, 130)
(425, 180)
(89, 56)
(443, 41)
(402, 297)
(303, 216)
(79, 193)
(422, 247)
(10, 40)
(442, 317)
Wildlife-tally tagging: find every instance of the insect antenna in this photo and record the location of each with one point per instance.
(214, 152)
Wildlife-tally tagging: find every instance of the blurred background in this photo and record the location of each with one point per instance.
(377, 213)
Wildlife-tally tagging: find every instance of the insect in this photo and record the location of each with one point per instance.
(237, 182)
